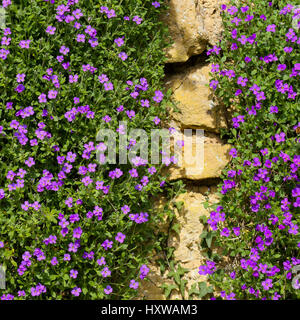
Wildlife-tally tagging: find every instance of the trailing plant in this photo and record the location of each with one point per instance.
(73, 225)
(255, 72)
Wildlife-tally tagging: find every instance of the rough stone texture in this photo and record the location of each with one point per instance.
(150, 288)
(186, 29)
(187, 252)
(192, 24)
(215, 155)
(210, 12)
(194, 99)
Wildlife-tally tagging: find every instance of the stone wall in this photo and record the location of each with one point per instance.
(194, 25)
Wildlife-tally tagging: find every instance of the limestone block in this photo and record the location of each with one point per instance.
(192, 24)
(194, 100)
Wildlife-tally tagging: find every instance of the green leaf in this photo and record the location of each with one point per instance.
(182, 287)
(176, 228)
(168, 289)
(179, 205)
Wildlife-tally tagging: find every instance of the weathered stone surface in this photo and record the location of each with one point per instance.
(192, 25)
(150, 288)
(187, 251)
(210, 12)
(194, 100)
(186, 244)
(186, 28)
(215, 155)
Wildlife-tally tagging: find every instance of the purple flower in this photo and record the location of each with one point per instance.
(243, 39)
(20, 88)
(2, 194)
(234, 33)
(42, 98)
(271, 28)
(6, 3)
(137, 19)
(30, 162)
(125, 209)
(120, 237)
(24, 44)
(73, 79)
(158, 96)
(50, 30)
(54, 261)
(119, 41)
(233, 152)
(71, 156)
(105, 272)
(276, 296)
(52, 94)
(101, 261)
(73, 274)
(123, 56)
(4, 53)
(77, 233)
(80, 38)
(108, 86)
(280, 137)
(21, 77)
(72, 247)
(225, 232)
(21, 293)
(273, 109)
(209, 268)
(108, 290)
(155, 4)
(242, 81)
(106, 118)
(156, 120)
(293, 229)
(103, 78)
(213, 84)
(67, 257)
(107, 244)
(288, 49)
(76, 291)
(144, 270)
(281, 67)
(233, 47)
(260, 96)
(133, 284)
(267, 284)
(236, 231)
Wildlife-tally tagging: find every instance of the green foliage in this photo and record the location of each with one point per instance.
(24, 230)
(255, 224)
(176, 275)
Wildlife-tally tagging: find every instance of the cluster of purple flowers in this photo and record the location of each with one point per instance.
(144, 270)
(85, 110)
(50, 179)
(272, 164)
(208, 268)
(285, 88)
(138, 218)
